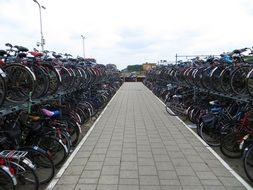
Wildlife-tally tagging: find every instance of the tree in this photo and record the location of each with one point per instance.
(132, 68)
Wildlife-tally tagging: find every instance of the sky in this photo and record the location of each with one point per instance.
(128, 32)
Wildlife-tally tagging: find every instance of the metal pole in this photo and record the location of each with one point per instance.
(42, 42)
(83, 37)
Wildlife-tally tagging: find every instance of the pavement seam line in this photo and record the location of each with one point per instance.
(237, 176)
(66, 164)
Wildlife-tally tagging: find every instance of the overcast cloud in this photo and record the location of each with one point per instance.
(126, 32)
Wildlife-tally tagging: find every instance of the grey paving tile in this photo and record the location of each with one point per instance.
(167, 175)
(206, 175)
(189, 180)
(158, 151)
(113, 153)
(180, 162)
(161, 158)
(164, 166)
(74, 170)
(150, 187)
(172, 187)
(97, 158)
(128, 187)
(229, 181)
(147, 170)
(144, 154)
(129, 151)
(65, 187)
(129, 174)
(193, 187)
(88, 180)
(200, 167)
(112, 161)
(146, 162)
(78, 161)
(110, 170)
(107, 187)
(93, 165)
(211, 182)
(86, 187)
(149, 180)
(65, 179)
(221, 172)
(185, 170)
(214, 187)
(90, 173)
(81, 154)
(173, 154)
(128, 166)
(128, 181)
(169, 182)
(108, 179)
(194, 159)
(129, 157)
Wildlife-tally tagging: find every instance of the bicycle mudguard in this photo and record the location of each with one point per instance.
(208, 119)
(13, 178)
(34, 148)
(29, 163)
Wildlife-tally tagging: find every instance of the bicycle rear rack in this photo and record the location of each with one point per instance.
(13, 154)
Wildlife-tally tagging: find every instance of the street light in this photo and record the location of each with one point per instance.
(42, 42)
(83, 37)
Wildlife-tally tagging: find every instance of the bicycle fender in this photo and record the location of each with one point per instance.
(13, 178)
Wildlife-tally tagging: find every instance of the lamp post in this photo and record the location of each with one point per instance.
(42, 42)
(83, 37)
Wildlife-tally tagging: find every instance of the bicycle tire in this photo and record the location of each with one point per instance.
(6, 182)
(73, 129)
(42, 82)
(26, 176)
(20, 82)
(248, 162)
(238, 80)
(54, 78)
(230, 145)
(169, 110)
(209, 135)
(45, 169)
(2, 88)
(249, 82)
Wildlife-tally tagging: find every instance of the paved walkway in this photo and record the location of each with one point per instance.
(136, 145)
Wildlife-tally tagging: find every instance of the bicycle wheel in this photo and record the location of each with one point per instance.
(42, 81)
(249, 82)
(2, 87)
(57, 150)
(168, 107)
(66, 78)
(225, 79)
(6, 182)
(54, 78)
(20, 82)
(210, 134)
(248, 163)
(238, 80)
(45, 169)
(26, 177)
(230, 145)
(73, 129)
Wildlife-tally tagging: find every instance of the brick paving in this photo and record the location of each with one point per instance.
(136, 145)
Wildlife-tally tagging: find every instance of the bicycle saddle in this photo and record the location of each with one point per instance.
(50, 113)
(21, 48)
(2, 52)
(36, 54)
